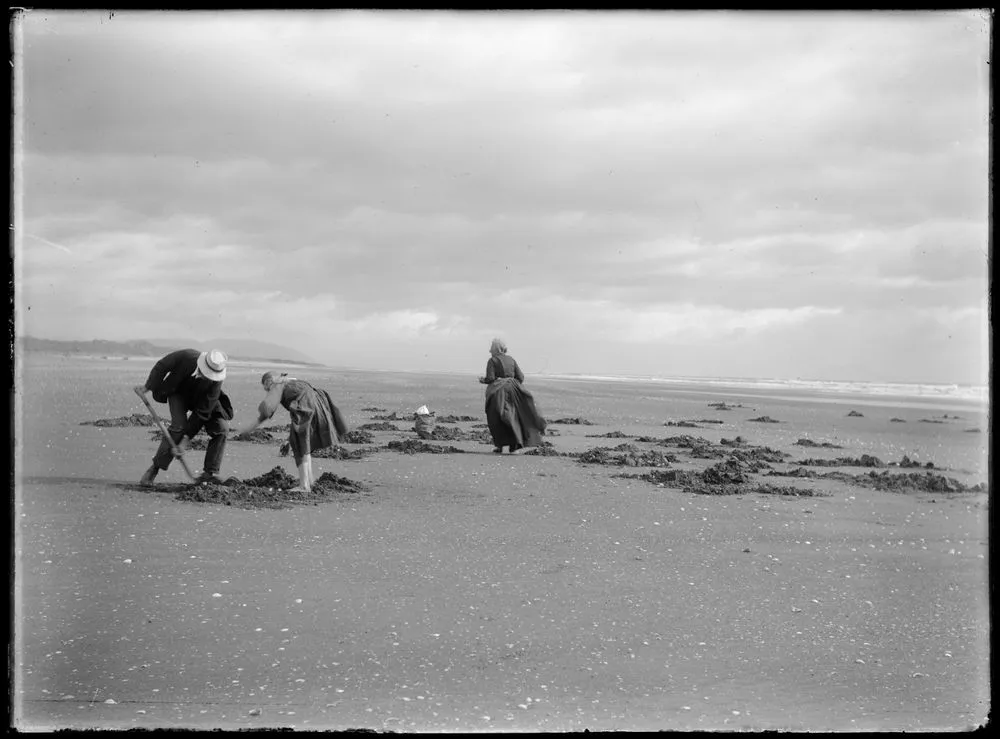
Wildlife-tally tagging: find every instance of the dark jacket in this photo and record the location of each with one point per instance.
(174, 375)
(502, 365)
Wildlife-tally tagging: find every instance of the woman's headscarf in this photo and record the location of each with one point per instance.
(498, 347)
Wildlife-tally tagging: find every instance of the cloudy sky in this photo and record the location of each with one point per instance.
(716, 194)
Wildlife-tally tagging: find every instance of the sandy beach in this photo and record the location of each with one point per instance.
(469, 591)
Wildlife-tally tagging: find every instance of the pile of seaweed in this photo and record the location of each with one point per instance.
(456, 419)
(257, 436)
(906, 482)
(697, 446)
(547, 449)
(753, 457)
(930, 482)
(381, 426)
(611, 435)
(573, 421)
(865, 460)
(270, 490)
(682, 424)
(390, 417)
(331, 452)
(817, 444)
(764, 419)
(451, 433)
(730, 477)
(907, 462)
(626, 455)
(724, 407)
(413, 446)
(758, 458)
(136, 419)
(338, 452)
(359, 436)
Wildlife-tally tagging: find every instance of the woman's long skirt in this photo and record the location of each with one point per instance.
(511, 415)
(316, 423)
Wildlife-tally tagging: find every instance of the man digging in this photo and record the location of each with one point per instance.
(189, 381)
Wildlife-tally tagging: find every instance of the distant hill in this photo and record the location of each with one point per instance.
(97, 346)
(242, 349)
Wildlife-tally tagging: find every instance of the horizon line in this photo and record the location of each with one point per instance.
(543, 373)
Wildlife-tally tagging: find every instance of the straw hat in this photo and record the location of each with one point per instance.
(213, 365)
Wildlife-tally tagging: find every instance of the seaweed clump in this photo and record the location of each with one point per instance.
(626, 455)
(818, 444)
(358, 436)
(274, 489)
(547, 449)
(865, 460)
(412, 446)
(456, 419)
(381, 426)
(731, 477)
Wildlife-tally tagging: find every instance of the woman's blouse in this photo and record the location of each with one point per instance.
(503, 365)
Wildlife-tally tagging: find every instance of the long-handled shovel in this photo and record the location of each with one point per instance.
(173, 445)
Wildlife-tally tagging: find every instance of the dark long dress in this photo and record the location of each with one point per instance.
(316, 422)
(510, 409)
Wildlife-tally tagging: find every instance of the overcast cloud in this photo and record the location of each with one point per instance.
(723, 194)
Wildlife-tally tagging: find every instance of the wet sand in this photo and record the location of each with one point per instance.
(480, 592)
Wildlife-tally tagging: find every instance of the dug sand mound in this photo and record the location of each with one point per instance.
(274, 489)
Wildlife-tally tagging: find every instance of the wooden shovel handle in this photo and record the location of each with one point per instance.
(163, 429)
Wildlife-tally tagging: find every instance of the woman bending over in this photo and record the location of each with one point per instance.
(316, 422)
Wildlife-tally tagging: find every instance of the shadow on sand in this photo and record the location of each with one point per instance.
(96, 482)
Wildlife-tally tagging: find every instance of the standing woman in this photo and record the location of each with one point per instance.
(316, 421)
(510, 409)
